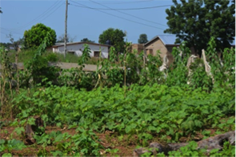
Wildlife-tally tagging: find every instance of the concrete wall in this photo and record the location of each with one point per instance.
(78, 49)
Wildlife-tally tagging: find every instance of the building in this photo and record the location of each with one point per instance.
(165, 44)
(137, 47)
(77, 48)
(162, 43)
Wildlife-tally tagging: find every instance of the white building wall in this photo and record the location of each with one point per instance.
(78, 49)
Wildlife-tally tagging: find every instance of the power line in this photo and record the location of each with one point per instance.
(43, 15)
(2, 32)
(160, 6)
(118, 16)
(129, 14)
(52, 12)
(11, 31)
(131, 2)
(123, 18)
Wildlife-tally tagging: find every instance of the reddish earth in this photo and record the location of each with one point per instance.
(123, 146)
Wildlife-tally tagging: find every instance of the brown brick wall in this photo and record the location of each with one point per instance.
(137, 47)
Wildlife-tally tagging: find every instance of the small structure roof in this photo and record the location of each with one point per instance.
(170, 40)
(166, 39)
(75, 43)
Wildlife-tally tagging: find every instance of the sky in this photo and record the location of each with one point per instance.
(86, 18)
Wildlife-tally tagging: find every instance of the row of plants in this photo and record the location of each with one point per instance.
(126, 96)
(146, 112)
(178, 111)
(71, 144)
(128, 68)
(83, 143)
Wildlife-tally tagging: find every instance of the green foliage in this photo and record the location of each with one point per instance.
(142, 39)
(9, 145)
(197, 21)
(191, 150)
(35, 36)
(38, 65)
(84, 142)
(7, 72)
(76, 77)
(116, 38)
(85, 56)
(7, 83)
(52, 57)
(153, 74)
(144, 111)
(199, 77)
(134, 64)
(112, 99)
(87, 40)
(222, 69)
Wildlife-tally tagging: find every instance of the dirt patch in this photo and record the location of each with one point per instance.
(113, 143)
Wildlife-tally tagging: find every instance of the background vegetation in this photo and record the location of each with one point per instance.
(197, 21)
(35, 36)
(113, 37)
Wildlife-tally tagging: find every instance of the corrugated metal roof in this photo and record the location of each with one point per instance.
(168, 39)
(75, 43)
(233, 43)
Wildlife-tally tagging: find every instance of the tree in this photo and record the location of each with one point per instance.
(87, 40)
(113, 37)
(0, 10)
(142, 39)
(35, 36)
(15, 44)
(62, 37)
(196, 21)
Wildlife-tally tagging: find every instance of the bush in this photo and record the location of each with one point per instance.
(52, 57)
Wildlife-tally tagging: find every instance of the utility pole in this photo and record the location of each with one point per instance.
(65, 38)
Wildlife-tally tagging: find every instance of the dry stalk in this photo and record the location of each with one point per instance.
(125, 76)
(3, 98)
(17, 74)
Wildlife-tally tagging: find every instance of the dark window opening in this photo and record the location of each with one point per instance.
(71, 52)
(96, 53)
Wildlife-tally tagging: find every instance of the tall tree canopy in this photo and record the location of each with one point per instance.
(61, 38)
(142, 39)
(35, 36)
(87, 40)
(114, 37)
(196, 21)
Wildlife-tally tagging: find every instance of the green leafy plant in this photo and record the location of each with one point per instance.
(38, 65)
